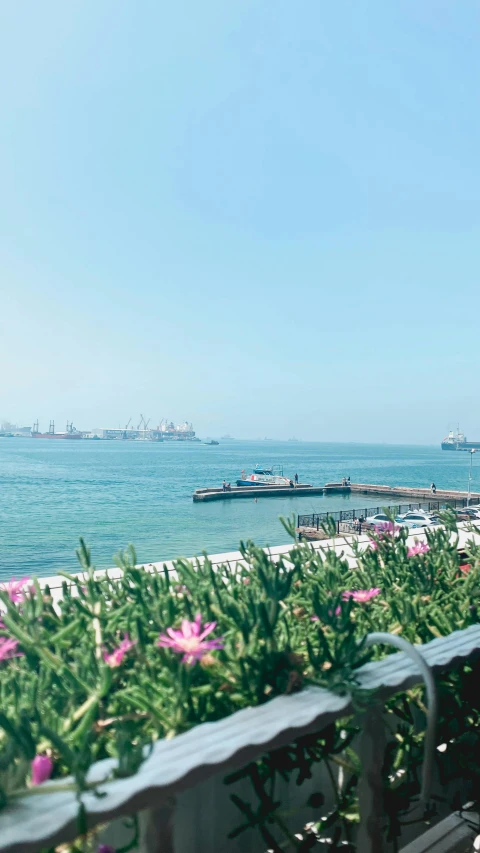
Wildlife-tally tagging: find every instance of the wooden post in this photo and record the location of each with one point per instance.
(157, 829)
(370, 790)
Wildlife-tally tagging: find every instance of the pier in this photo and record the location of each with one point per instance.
(410, 494)
(218, 494)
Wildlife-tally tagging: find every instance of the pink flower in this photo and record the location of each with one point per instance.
(8, 648)
(42, 767)
(418, 548)
(14, 589)
(388, 528)
(116, 657)
(384, 532)
(190, 640)
(338, 610)
(361, 595)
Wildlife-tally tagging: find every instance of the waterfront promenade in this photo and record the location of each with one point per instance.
(341, 544)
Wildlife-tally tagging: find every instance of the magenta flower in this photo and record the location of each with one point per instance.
(389, 528)
(418, 548)
(105, 848)
(190, 640)
(338, 610)
(361, 595)
(15, 589)
(116, 657)
(373, 544)
(42, 767)
(8, 648)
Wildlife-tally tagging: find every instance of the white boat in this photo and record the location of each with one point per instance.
(262, 476)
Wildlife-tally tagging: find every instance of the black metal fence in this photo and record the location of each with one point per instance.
(315, 519)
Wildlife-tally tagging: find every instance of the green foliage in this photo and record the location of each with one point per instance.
(285, 623)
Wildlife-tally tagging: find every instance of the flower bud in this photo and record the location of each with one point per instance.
(42, 767)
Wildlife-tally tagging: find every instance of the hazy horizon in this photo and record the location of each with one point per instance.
(263, 220)
(269, 439)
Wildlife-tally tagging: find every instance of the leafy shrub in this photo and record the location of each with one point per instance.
(117, 663)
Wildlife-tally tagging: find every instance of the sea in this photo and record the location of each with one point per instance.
(113, 493)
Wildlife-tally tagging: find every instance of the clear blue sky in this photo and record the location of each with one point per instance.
(261, 217)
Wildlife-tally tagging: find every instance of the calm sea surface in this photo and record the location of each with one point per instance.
(113, 493)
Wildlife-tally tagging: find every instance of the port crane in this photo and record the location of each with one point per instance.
(145, 425)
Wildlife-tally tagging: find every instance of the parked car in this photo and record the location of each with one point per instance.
(417, 518)
(468, 513)
(377, 520)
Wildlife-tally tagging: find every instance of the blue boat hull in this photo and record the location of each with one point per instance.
(258, 484)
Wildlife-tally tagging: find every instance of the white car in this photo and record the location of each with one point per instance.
(417, 518)
(378, 520)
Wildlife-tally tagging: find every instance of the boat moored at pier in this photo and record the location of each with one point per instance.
(265, 476)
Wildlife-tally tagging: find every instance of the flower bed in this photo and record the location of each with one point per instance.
(117, 664)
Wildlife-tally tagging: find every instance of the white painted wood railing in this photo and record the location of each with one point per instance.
(163, 790)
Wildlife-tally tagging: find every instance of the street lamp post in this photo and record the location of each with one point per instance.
(470, 476)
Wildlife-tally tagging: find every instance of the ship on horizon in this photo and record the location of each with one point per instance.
(70, 432)
(458, 441)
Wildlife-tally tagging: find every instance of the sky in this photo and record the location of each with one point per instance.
(260, 217)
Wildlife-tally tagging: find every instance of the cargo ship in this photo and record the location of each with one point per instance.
(70, 432)
(458, 441)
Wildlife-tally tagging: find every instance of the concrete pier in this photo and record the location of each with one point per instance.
(304, 489)
(255, 492)
(411, 493)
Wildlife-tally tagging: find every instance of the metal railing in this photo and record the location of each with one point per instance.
(315, 519)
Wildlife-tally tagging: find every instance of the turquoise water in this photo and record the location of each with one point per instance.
(113, 493)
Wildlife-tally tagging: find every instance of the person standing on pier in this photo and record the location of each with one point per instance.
(296, 479)
(433, 488)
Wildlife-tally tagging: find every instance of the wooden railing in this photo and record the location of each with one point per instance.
(188, 761)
